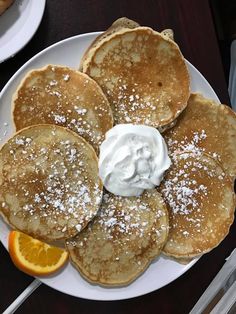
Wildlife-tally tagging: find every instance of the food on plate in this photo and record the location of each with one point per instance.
(200, 200)
(50, 188)
(206, 126)
(34, 257)
(119, 24)
(50, 177)
(133, 158)
(122, 240)
(143, 74)
(60, 95)
(4, 5)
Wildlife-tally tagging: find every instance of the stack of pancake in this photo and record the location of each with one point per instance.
(49, 180)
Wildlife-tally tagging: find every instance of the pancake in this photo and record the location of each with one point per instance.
(119, 244)
(62, 96)
(143, 74)
(49, 182)
(206, 126)
(200, 200)
(119, 24)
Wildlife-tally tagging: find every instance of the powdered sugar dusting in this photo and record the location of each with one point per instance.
(194, 144)
(134, 108)
(62, 96)
(187, 188)
(120, 215)
(182, 191)
(56, 185)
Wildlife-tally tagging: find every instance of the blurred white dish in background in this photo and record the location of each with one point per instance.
(18, 24)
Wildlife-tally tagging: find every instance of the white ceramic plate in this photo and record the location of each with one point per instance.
(163, 270)
(18, 25)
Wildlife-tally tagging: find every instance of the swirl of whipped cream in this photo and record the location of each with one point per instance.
(133, 158)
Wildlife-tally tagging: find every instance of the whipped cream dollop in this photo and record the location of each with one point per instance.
(133, 158)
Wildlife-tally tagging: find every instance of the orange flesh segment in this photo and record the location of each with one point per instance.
(33, 256)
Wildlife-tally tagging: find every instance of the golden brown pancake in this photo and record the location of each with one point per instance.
(142, 73)
(206, 126)
(122, 240)
(200, 199)
(62, 96)
(119, 24)
(49, 182)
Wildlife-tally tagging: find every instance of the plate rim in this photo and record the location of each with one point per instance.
(107, 298)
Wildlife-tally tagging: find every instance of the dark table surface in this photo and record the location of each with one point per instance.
(195, 33)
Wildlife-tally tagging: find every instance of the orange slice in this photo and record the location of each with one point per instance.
(34, 257)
